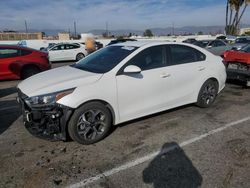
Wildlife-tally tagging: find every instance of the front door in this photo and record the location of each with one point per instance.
(143, 93)
(57, 53)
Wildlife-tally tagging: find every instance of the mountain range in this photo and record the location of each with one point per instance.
(155, 31)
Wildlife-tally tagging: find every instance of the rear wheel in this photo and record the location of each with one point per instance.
(79, 56)
(29, 71)
(90, 123)
(207, 94)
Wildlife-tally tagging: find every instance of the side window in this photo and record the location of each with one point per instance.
(71, 46)
(183, 54)
(219, 43)
(7, 53)
(212, 44)
(59, 47)
(149, 58)
(248, 49)
(25, 52)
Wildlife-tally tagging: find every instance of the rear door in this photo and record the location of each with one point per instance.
(71, 50)
(186, 68)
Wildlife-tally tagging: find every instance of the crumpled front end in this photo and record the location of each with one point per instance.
(46, 121)
(239, 71)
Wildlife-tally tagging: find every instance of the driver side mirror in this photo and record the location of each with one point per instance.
(132, 69)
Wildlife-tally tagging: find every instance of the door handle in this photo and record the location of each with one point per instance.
(165, 75)
(201, 68)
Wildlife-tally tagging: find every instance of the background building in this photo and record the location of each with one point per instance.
(244, 31)
(20, 36)
(63, 36)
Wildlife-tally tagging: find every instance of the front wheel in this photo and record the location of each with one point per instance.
(207, 94)
(90, 123)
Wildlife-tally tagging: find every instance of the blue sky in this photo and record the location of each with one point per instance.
(126, 14)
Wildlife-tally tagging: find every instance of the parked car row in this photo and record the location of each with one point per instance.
(219, 46)
(20, 62)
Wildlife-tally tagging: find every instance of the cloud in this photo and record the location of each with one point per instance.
(120, 14)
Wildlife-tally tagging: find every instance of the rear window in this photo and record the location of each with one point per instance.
(184, 54)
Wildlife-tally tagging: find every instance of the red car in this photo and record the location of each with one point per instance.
(18, 62)
(238, 64)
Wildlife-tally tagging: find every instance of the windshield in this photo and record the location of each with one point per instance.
(241, 40)
(105, 59)
(246, 48)
(202, 44)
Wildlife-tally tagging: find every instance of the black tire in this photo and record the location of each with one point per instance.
(207, 94)
(79, 56)
(90, 123)
(29, 71)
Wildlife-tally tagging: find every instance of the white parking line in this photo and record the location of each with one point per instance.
(152, 155)
(9, 108)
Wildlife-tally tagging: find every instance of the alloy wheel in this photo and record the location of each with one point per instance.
(91, 124)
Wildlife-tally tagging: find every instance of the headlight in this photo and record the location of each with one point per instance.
(47, 99)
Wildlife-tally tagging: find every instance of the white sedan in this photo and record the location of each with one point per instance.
(67, 52)
(118, 83)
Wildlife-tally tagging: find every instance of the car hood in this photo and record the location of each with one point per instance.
(57, 80)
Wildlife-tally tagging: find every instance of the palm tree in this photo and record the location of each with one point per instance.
(235, 7)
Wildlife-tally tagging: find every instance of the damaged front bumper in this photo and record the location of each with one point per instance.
(243, 76)
(238, 71)
(47, 121)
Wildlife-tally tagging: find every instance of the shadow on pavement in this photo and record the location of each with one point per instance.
(172, 169)
(7, 91)
(240, 84)
(9, 112)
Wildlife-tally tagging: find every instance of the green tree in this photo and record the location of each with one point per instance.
(235, 9)
(247, 33)
(148, 33)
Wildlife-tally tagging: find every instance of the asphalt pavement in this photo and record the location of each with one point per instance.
(183, 147)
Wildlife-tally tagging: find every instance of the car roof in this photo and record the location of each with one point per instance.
(14, 46)
(143, 43)
(203, 40)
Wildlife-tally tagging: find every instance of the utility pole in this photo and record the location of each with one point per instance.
(173, 28)
(75, 28)
(107, 30)
(26, 28)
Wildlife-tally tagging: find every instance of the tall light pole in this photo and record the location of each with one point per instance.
(26, 28)
(107, 30)
(75, 28)
(173, 28)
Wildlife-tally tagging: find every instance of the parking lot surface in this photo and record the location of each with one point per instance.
(184, 147)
